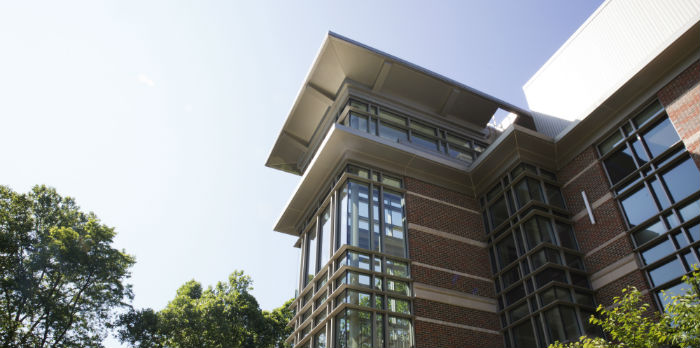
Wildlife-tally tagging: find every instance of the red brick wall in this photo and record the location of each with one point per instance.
(440, 193)
(455, 314)
(430, 335)
(605, 294)
(448, 253)
(681, 98)
(444, 217)
(453, 281)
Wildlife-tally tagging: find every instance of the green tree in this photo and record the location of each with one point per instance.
(226, 315)
(60, 278)
(630, 323)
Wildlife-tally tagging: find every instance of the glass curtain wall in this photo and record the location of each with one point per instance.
(658, 187)
(358, 235)
(542, 287)
(394, 126)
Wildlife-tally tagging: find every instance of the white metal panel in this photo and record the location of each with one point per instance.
(615, 43)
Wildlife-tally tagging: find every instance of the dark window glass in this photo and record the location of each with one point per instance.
(562, 323)
(523, 336)
(639, 206)
(584, 299)
(511, 276)
(526, 190)
(426, 142)
(647, 113)
(660, 137)
(514, 295)
(566, 235)
(666, 272)
(555, 293)
(506, 251)
(682, 180)
(494, 192)
(620, 164)
(573, 261)
(545, 255)
(460, 154)
(579, 280)
(537, 230)
(499, 212)
(657, 252)
(550, 275)
(554, 196)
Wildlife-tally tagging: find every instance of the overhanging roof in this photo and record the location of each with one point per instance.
(341, 59)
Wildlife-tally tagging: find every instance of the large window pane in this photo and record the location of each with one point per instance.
(639, 206)
(565, 235)
(394, 235)
(562, 323)
(660, 137)
(506, 250)
(399, 332)
(682, 180)
(650, 232)
(320, 339)
(325, 245)
(657, 252)
(537, 230)
(311, 252)
(376, 224)
(392, 133)
(666, 272)
(554, 196)
(354, 229)
(528, 189)
(620, 164)
(523, 336)
(359, 329)
(499, 212)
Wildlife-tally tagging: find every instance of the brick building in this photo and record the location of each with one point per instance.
(421, 224)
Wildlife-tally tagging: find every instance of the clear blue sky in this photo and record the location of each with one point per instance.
(159, 115)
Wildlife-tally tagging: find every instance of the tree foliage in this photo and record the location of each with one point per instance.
(226, 315)
(630, 324)
(59, 276)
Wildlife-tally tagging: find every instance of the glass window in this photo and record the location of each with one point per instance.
(376, 223)
(610, 142)
(354, 219)
(420, 127)
(562, 324)
(666, 272)
(526, 190)
(511, 276)
(398, 287)
(519, 312)
(514, 295)
(620, 164)
(399, 333)
(389, 116)
(358, 122)
(423, 141)
(354, 329)
(460, 154)
(682, 180)
(647, 114)
(357, 298)
(554, 293)
(584, 299)
(690, 210)
(537, 230)
(565, 235)
(550, 275)
(355, 259)
(320, 339)
(311, 252)
(639, 206)
(361, 279)
(379, 330)
(523, 336)
(398, 306)
(660, 137)
(573, 261)
(358, 104)
(394, 236)
(554, 196)
(392, 133)
(694, 232)
(639, 151)
(499, 212)
(325, 243)
(453, 139)
(674, 290)
(389, 181)
(545, 255)
(506, 251)
(657, 252)
(396, 268)
(650, 232)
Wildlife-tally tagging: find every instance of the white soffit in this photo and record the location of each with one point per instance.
(615, 43)
(341, 59)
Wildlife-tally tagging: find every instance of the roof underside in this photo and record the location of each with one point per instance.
(340, 60)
